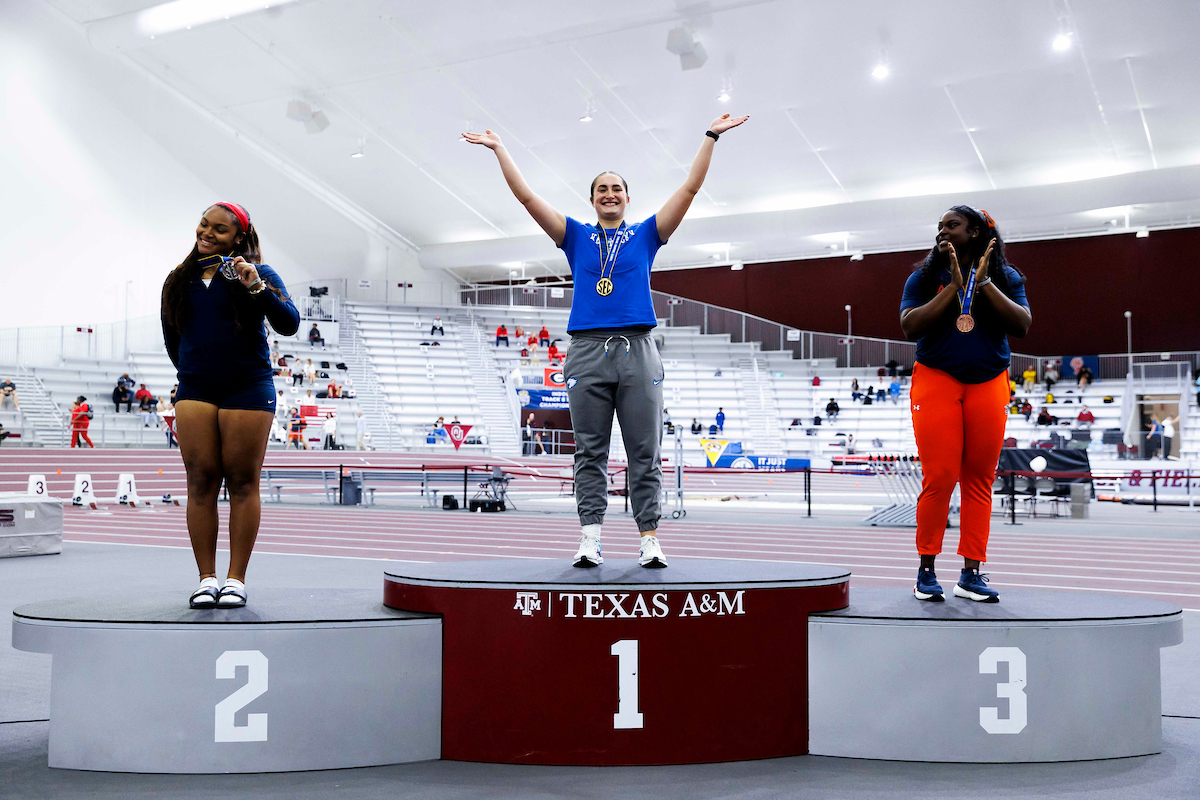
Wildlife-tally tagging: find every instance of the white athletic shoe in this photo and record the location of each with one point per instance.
(651, 554)
(589, 551)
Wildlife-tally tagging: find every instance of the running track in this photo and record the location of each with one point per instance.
(1156, 568)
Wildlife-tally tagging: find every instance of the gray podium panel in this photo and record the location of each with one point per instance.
(30, 525)
(1041, 676)
(298, 680)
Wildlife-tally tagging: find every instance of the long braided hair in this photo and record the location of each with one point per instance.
(936, 262)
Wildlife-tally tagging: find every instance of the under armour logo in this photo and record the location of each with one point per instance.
(916, 408)
(527, 603)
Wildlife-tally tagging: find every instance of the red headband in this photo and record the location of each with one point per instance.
(238, 212)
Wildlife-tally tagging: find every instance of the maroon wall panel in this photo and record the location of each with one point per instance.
(1079, 290)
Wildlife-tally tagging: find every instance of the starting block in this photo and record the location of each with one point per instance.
(37, 486)
(127, 491)
(83, 494)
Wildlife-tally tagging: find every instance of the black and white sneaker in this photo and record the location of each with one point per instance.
(651, 554)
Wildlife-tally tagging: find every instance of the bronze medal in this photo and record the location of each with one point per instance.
(965, 323)
(604, 287)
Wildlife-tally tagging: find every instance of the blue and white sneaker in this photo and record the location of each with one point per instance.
(973, 586)
(589, 551)
(650, 554)
(927, 587)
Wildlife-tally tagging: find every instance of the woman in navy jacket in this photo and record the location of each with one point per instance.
(213, 307)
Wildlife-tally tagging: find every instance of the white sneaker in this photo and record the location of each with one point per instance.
(589, 551)
(651, 555)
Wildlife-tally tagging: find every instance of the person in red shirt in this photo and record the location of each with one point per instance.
(331, 391)
(553, 354)
(1085, 418)
(544, 337)
(142, 392)
(501, 333)
(80, 419)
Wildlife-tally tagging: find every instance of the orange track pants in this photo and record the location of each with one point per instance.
(959, 429)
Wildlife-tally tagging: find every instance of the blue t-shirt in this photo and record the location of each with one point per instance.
(629, 305)
(974, 357)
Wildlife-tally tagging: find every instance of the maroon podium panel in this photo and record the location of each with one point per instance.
(543, 663)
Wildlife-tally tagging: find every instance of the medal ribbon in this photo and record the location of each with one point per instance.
(609, 250)
(966, 295)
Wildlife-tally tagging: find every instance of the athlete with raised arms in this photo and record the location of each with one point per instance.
(613, 364)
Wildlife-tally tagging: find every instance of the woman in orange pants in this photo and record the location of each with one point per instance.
(80, 421)
(960, 386)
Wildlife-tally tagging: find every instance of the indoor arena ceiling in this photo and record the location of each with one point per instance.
(1099, 132)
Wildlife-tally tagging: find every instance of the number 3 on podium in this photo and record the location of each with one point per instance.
(627, 716)
(1013, 689)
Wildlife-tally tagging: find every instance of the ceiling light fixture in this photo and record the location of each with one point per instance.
(590, 114)
(682, 42)
(737, 266)
(1062, 42)
(184, 14)
(726, 87)
(881, 71)
(362, 143)
(301, 111)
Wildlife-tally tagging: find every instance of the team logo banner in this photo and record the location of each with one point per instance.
(715, 448)
(762, 463)
(457, 433)
(544, 398)
(554, 378)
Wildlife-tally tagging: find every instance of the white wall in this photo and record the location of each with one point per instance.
(104, 174)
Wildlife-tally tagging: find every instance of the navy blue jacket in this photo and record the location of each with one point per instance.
(211, 349)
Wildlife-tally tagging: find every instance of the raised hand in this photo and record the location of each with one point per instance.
(725, 122)
(981, 268)
(956, 278)
(488, 139)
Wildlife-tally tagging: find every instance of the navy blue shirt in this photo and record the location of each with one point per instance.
(629, 305)
(211, 348)
(974, 357)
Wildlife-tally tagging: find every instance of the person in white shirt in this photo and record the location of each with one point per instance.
(1168, 436)
(329, 428)
(360, 432)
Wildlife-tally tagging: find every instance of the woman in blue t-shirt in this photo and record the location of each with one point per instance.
(213, 306)
(960, 387)
(613, 365)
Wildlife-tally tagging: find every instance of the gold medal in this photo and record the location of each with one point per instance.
(965, 323)
(604, 287)
(608, 258)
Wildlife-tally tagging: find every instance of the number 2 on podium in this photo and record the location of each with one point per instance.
(627, 716)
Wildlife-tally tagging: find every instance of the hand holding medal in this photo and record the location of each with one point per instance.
(965, 322)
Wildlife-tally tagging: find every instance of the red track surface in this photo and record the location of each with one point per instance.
(1165, 569)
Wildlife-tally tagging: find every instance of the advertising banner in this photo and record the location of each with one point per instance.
(533, 399)
(458, 433)
(554, 378)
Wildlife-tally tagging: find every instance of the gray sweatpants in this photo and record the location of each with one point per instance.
(625, 377)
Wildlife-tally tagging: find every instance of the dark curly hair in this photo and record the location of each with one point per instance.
(935, 262)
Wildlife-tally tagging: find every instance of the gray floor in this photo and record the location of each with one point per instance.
(87, 569)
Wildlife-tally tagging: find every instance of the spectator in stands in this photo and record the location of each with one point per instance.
(893, 368)
(8, 394)
(439, 428)
(1086, 418)
(519, 333)
(315, 338)
(696, 426)
(175, 391)
(831, 410)
(1153, 437)
(850, 447)
(1168, 436)
(854, 392)
(501, 335)
(122, 394)
(894, 391)
(436, 327)
(721, 420)
(126, 381)
(166, 413)
(1044, 417)
(309, 399)
(3, 433)
(297, 373)
(455, 420)
(1084, 377)
(667, 423)
(329, 429)
(1029, 378)
(148, 406)
(141, 392)
(554, 356)
(880, 395)
(81, 417)
(360, 431)
(332, 391)
(544, 337)
(296, 426)
(310, 372)
(1050, 376)
(527, 433)
(1027, 409)
(275, 352)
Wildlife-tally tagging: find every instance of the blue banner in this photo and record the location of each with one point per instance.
(763, 463)
(1072, 364)
(534, 399)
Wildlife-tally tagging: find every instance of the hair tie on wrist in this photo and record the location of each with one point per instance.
(714, 136)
